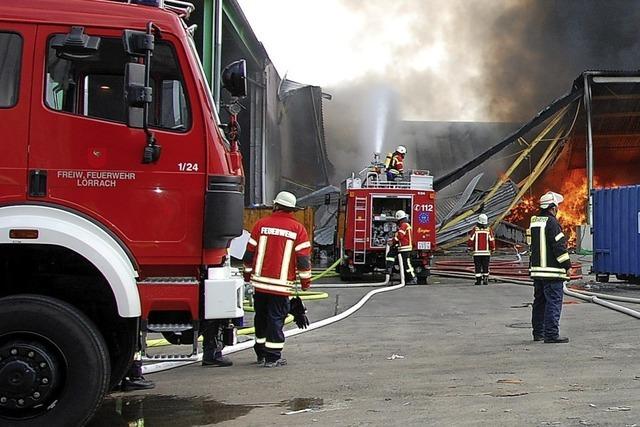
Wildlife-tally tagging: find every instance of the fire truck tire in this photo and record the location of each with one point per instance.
(346, 275)
(179, 338)
(127, 341)
(54, 364)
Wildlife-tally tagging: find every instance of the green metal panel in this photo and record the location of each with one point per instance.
(207, 42)
(242, 31)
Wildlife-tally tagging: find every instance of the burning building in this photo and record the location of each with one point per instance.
(588, 138)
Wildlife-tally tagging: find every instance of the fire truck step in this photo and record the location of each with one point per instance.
(169, 327)
(169, 281)
(171, 358)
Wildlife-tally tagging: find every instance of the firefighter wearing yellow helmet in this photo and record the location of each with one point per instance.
(549, 268)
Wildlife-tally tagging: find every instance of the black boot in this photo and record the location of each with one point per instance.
(220, 361)
(478, 281)
(139, 383)
(556, 340)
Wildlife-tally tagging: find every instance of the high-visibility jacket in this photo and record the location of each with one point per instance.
(403, 237)
(481, 241)
(278, 246)
(549, 259)
(396, 165)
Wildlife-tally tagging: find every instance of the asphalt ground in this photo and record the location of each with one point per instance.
(463, 356)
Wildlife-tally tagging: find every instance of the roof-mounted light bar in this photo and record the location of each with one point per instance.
(179, 7)
(182, 8)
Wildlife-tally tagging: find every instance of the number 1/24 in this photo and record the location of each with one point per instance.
(188, 167)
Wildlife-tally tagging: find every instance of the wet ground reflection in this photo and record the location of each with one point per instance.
(158, 410)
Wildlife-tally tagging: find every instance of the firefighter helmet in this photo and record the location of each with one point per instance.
(286, 199)
(482, 219)
(401, 149)
(401, 215)
(549, 199)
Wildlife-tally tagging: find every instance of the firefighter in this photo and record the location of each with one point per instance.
(481, 243)
(212, 344)
(402, 243)
(278, 246)
(395, 163)
(549, 268)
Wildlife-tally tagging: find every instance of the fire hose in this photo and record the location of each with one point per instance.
(163, 366)
(459, 269)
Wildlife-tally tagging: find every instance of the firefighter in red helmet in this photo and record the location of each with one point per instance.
(481, 242)
(278, 247)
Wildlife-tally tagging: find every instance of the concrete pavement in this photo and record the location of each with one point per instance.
(466, 358)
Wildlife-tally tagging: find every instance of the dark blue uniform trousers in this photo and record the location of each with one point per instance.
(547, 306)
(270, 313)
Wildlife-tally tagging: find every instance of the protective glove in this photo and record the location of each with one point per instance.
(305, 284)
(298, 311)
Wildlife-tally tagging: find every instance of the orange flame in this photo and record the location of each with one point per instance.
(571, 213)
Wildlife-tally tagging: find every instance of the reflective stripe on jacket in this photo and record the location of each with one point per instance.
(549, 258)
(270, 253)
(481, 241)
(403, 237)
(396, 166)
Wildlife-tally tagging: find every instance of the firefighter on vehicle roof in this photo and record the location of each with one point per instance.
(402, 243)
(549, 268)
(395, 163)
(481, 243)
(278, 247)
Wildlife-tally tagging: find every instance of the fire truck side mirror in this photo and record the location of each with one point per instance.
(137, 43)
(76, 45)
(136, 94)
(234, 78)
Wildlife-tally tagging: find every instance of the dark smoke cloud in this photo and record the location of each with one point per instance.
(505, 60)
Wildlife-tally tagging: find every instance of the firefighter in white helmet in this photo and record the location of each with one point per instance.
(402, 244)
(549, 268)
(481, 242)
(395, 163)
(278, 248)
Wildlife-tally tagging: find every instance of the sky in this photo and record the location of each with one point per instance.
(461, 60)
(386, 62)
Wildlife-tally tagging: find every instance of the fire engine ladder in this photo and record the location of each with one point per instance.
(360, 231)
(183, 333)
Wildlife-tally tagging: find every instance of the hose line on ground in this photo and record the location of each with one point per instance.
(163, 366)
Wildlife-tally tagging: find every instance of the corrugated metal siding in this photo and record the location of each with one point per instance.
(252, 215)
(616, 231)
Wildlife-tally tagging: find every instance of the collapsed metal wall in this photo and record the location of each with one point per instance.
(575, 140)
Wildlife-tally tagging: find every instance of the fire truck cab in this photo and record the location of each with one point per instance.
(119, 196)
(369, 203)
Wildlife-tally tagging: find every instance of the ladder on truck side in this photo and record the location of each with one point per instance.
(360, 230)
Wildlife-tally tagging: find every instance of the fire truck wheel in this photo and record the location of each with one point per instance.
(179, 338)
(346, 275)
(123, 342)
(54, 364)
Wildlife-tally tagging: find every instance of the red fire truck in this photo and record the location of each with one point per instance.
(119, 196)
(369, 204)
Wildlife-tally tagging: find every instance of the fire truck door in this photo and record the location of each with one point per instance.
(93, 160)
(16, 64)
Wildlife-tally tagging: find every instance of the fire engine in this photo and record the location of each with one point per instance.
(119, 196)
(368, 205)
